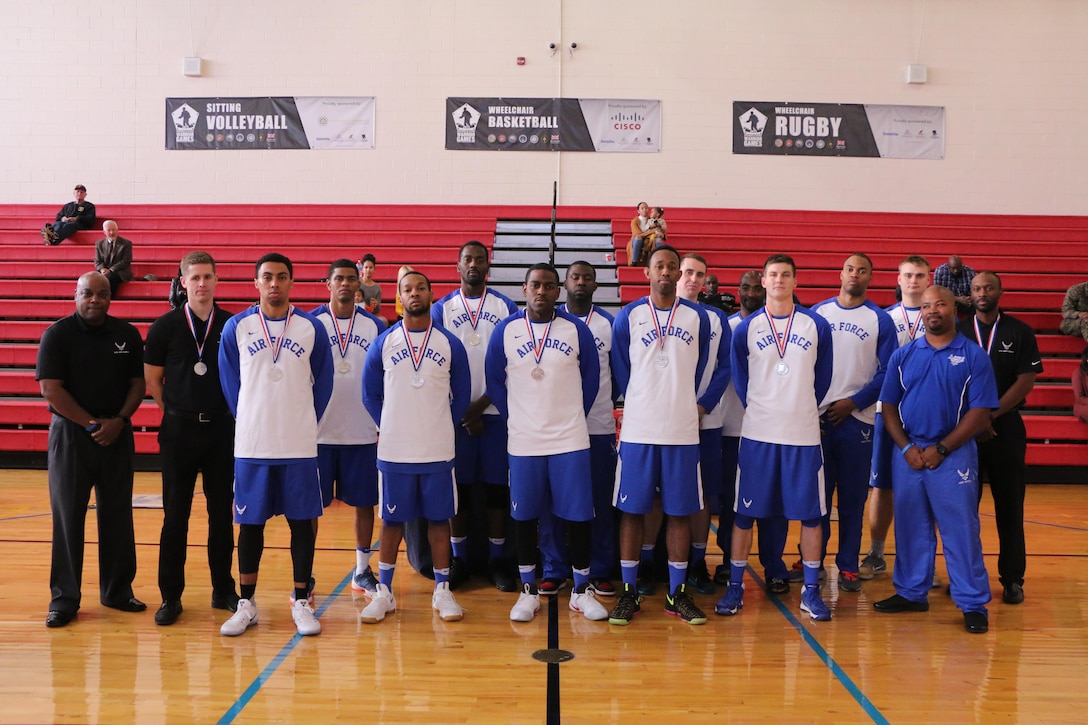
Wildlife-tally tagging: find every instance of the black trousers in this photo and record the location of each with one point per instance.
(76, 465)
(1002, 460)
(188, 447)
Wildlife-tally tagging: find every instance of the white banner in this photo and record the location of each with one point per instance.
(337, 122)
(623, 125)
(907, 132)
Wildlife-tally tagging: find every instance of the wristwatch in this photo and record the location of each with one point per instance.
(942, 450)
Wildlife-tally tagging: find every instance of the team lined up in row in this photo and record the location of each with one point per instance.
(470, 391)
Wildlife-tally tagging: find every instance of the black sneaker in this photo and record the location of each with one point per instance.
(503, 575)
(699, 577)
(778, 586)
(647, 582)
(721, 575)
(459, 572)
(680, 604)
(626, 608)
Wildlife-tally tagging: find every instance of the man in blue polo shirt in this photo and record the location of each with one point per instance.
(937, 395)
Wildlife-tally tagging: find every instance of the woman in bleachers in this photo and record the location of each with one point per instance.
(1080, 388)
(640, 232)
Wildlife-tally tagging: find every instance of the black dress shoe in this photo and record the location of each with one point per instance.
(169, 611)
(57, 618)
(132, 604)
(228, 601)
(976, 622)
(896, 603)
(1013, 594)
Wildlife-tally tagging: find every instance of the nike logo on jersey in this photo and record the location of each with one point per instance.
(251, 332)
(390, 509)
(241, 509)
(518, 337)
(747, 502)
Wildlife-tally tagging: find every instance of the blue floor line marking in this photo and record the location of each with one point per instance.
(866, 704)
(266, 674)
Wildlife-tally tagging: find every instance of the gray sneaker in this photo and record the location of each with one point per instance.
(872, 565)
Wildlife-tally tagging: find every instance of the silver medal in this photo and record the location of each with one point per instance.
(343, 367)
(662, 360)
(200, 368)
(474, 339)
(417, 381)
(275, 374)
(537, 373)
(782, 368)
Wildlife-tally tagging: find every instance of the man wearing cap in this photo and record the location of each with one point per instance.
(72, 217)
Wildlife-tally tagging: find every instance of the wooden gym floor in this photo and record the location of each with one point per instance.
(768, 664)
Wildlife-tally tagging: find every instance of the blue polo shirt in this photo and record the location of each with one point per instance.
(934, 388)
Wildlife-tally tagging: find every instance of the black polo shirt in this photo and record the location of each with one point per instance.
(1014, 350)
(171, 345)
(96, 365)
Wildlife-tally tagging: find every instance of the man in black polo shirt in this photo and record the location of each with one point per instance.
(1002, 445)
(181, 365)
(90, 368)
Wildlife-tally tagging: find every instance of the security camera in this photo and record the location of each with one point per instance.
(551, 46)
(574, 46)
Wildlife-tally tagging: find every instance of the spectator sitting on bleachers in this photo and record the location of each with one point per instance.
(956, 276)
(371, 291)
(113, 257)
(72, 217)
(640, 232)
(1075, 311)
(1080, 388)
(658, 225)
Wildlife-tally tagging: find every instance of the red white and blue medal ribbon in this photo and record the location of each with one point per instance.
(473, 316)
(276, 373)
(538, 347)
(200, 368)
(343, 340)
(993, 333)
(906, 321)
(662, 332)
(417, 360)
(781, 367)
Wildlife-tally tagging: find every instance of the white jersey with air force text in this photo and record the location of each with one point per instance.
(472, 320)
(657, 364)
(346, 421)
(545, 403)
(864, 339)
(276, 404)
(601, 419)
(781, 393)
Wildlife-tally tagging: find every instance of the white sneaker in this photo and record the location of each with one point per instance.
(305, 621)
(242, 619)
(588, 605)
(444, 603)
(380, 605)
(526, 607)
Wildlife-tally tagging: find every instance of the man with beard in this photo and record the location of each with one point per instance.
(660, 349)
(535, 360)
(471, 313)
(863, 337)
(938, 393)
(416, 386)
(1002, 444)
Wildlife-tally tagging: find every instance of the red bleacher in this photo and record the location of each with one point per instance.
(1038, 257)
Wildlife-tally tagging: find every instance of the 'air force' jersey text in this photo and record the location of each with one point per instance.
(346, 422)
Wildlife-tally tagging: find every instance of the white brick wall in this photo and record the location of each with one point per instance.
(82, 90)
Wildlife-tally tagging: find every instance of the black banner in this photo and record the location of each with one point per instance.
(234, 123)
(516, 124)
(808, 129)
